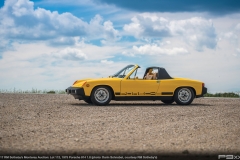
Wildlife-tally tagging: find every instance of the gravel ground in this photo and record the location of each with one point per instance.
(59, 124)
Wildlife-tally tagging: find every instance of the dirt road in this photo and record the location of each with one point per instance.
(59, 124)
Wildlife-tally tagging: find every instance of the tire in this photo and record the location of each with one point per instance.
(168, 101)
(88, 100)
(101, 96)
(184, 96)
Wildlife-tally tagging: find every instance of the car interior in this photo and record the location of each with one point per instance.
(151, 74)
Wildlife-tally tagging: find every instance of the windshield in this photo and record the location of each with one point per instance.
(123, 72)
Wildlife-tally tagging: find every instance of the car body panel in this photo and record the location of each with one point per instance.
(139, 87)
(172, 84)
(114, 83)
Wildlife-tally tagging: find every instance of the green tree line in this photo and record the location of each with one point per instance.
(225, 94)
(14, 90)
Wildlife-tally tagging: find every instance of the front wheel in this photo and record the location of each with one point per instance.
(101, 96)
(184, 96)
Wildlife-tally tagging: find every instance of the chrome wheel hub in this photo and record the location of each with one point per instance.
(184, 95)
(101, 95)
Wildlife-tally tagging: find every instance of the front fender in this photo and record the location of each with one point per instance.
(90, 85)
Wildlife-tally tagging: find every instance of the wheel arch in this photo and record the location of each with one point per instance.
(104, 85)
(194, 91)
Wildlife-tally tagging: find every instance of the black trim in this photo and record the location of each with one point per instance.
(77, 93)
(117, 93)
(143, 98)
(167, 93)
(163, 74)
(204, 91)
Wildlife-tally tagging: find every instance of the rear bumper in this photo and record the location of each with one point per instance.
(204, 91)
(76, 92)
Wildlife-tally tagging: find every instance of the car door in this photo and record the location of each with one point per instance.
(139, 87)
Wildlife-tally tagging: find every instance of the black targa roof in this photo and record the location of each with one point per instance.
(162, 73)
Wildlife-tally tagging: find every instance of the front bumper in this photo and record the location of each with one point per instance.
(204, 91)
(76, 92)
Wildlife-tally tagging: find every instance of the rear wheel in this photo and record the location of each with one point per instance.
(168, 101)
(184, 96)
(101, 96)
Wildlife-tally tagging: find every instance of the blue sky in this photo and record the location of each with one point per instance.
(48, 44)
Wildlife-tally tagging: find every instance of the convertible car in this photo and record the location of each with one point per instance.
(156, 84)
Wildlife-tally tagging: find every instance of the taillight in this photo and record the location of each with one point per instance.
(203, 84)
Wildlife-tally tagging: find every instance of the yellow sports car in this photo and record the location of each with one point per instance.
(156, 84)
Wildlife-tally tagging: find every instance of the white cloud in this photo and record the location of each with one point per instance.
(19, 20)
(237, 52)
(231, 37)
(230, 33)
(129, 54)
(46, 49)
(145, 25)
(100, 29)
(104, 52)
(238, 27)
(106, 61)
(71, 54)
(110, 32)
(157, 50)
(46, 67)
(134, 28)
(217, 69)
(197, 32)
(229, 40)
(64, 41)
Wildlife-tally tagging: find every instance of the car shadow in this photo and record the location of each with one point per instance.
(143, 104)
